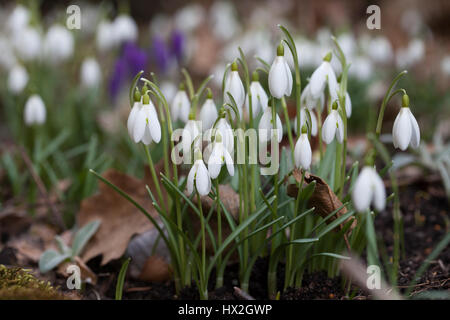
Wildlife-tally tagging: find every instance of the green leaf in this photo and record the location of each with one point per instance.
(121, 279)
(63, 247)
(50, 259)
(82, 237)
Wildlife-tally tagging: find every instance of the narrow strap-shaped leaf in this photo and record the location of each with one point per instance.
(121, 279)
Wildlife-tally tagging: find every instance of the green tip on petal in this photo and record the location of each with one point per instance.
(405, 101)
(304, 129)
(218, 137)
(146, 99)
(255, 76)
(280, 50)
(137, 95)
(335, 105)
(208, 93)
(234, 66)
(197, 154)
(327, 57)
(181, 87)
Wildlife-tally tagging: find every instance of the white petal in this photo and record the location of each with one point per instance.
(132, 117)
(190, 179)
(415, 130)
(362, 190)
(153, 124)
(279, 129)
(202, 179)
(329, 128)
(289, 77)
(278, 79)
(402, 129)
(235, 88)
(302, 152)
(348, 105)
(208, 114)
(379, 192)
(147, 138)
(139, 125)
(265, 125)
(317, 81)
(340, 129)
(229, 162)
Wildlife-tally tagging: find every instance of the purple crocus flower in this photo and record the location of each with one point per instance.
(177, 44)
(120, 70)
(135, 57)
(160, 53)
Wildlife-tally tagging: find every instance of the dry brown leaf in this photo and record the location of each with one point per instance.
(155, 269)
(323, 198)
(120, 219)
(87, 275)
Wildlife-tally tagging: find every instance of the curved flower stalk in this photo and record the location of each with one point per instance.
(324, 74)
(368, 188)
(234, 86)
(208, 112)
(198, 176)
(145, 124)
(333, 126)
(303, 119)
(219, 156)
(280, 76)
(266, 132)
(406, 130)
(180, 106)
(35, 112)
(17, 79)
(259, 97)
(302, 152)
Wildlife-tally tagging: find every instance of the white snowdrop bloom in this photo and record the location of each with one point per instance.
(18, 19)
(333, 126)
(226, 132)
(266, 132)
(189, 17)
(280, 76)
(168, 89)
(259, 97)
(137, 105)
(58, 44)
(125, 29)
(180, 106)
(307, 53)
(321, 76)
(105, 36)
(347, 43)
(412, 54)
(17, 79)
(191, 138)
(406, 130)
(7, 58)
(303, 117)
(28, 43)
(90, 73)
(234, 86)
(379, 49)
(302, 151)
(198, 177)
(35, 112)
(146, 127)
(208, 113)
(362, 68)
(223, 20)
(219, 156)
(348, 105)
(368, 188)
(308, 101)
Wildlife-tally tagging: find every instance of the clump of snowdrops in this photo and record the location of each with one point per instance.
(244, 135)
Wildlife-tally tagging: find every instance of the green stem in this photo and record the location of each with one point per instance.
(154, 177)
(204, 286)
(288, 125)
(219, 279)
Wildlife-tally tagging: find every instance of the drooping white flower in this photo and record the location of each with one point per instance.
(105, 37)
(303, 118)
(35, 112)
(137, 105)
(259, 97)
(280, 76)
(168, 89)
(406, 130)
(191, 138)
(58, 44)
(323, 75)
(198, 177)
(17, 79)
(219, 156)
(234, 86)
(90, 73)
(18, 19)
(28, 43)
(368, 188)
(308, 101)
(266, 132)
(208, 113)
(348, 105)
(145, 124)
(225, 130)
(333, 126)
(8, 57)
(125, 29)
(180, 106)
(302, 151)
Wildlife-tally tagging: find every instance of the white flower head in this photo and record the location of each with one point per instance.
(266, 132)
(208, 113)
(143, 122)
(198, 176)
(125, 29)
(17, 79)
(234, 86)
(323, 75)
(58, 44)
(105, 37)
(35, 112)
(90, 73)
(304, 117)
(259, 97)
(308, 101)
(348, 105)
(368, 188)
(181, 105)
(280, 76)
(406, 130)
(18, 19)
(28, 43)
(219, 156)
(191, 137)
(302, 151)
(224, 128)
(333, 126)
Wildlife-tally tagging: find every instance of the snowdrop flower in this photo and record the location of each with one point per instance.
(234, 86)
(266, 126)
(181, 105)
(219, 156)
(105, 37)
(333, 126)
(379, 49)
(7, 58)
(199, 176)
(90, 73)
(322, 75)
(168, 89)
(58, 44)
(35, 112)
(125, 29)
(308, 101)
(406, 131)
(208, 113)
(27, 43)
(225, 130)
(362, 68)
(348, 105)
(280, 76)
(137, 105)
(368, 188)
(18, 19)
(17, 79)
(146, 127)
(191, 135)
(303, 117)
(302, 151)
(259, 96)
